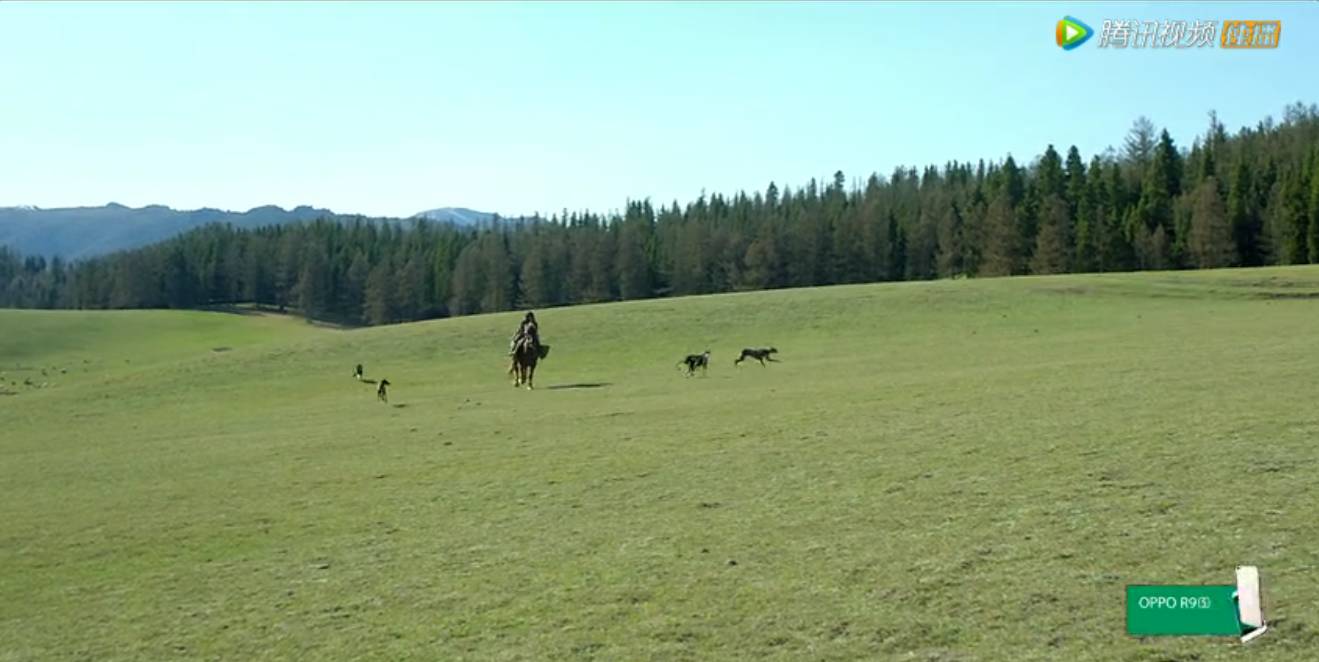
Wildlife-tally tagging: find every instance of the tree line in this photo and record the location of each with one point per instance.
(1245, 199)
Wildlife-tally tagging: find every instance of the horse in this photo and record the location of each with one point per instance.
(525, 358)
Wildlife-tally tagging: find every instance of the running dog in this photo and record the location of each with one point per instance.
(761, 355)
(694, 361)
(381, 392)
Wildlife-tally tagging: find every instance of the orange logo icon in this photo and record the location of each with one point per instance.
(1250, 34)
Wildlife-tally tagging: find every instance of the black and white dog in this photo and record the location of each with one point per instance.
(381, 392)
(694, 361)
(761, 355)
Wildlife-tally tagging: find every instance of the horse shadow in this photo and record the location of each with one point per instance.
(562, 387)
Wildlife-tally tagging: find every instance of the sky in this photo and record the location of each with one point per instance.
(392, 108)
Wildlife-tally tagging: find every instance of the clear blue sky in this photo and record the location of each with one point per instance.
(391, 108)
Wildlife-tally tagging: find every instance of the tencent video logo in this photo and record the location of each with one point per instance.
(1071, 32)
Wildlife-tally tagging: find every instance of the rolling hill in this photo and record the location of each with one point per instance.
(946, 470)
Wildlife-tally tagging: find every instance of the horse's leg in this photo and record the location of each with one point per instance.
(531, 376)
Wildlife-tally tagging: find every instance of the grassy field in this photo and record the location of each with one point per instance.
(967, 470)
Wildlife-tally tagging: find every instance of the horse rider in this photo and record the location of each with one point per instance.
(528, 330)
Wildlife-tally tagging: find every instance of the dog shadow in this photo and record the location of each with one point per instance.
(561, 387)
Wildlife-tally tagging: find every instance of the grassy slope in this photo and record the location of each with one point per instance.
(950, 470)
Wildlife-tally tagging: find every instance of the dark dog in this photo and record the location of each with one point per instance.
(694, 361)
(358, 372)
(761, 355)
(381, 392)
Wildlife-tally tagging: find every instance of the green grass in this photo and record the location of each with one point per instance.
(967, 470)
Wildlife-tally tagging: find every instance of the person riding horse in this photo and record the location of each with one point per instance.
(526, 350)
(528, 331)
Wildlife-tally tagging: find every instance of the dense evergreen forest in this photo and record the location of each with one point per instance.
(1250, 198)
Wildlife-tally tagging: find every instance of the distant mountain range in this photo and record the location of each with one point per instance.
(459, 215)
(79, 232)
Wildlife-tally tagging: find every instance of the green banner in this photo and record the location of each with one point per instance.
(1154, 611)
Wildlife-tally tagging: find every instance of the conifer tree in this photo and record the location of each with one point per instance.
(378, 306)
(1003, 250)
(1053, 251)
(1211, 244)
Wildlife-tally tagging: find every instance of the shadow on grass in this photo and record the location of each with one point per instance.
(233, 309)
(560, 387)
(254, 309)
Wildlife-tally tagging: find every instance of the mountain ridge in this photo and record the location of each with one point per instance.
(459, 215)
(88, 231)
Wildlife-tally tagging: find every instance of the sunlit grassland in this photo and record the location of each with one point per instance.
(968, 470)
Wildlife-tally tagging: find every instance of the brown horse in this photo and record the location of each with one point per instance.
(525, 358)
